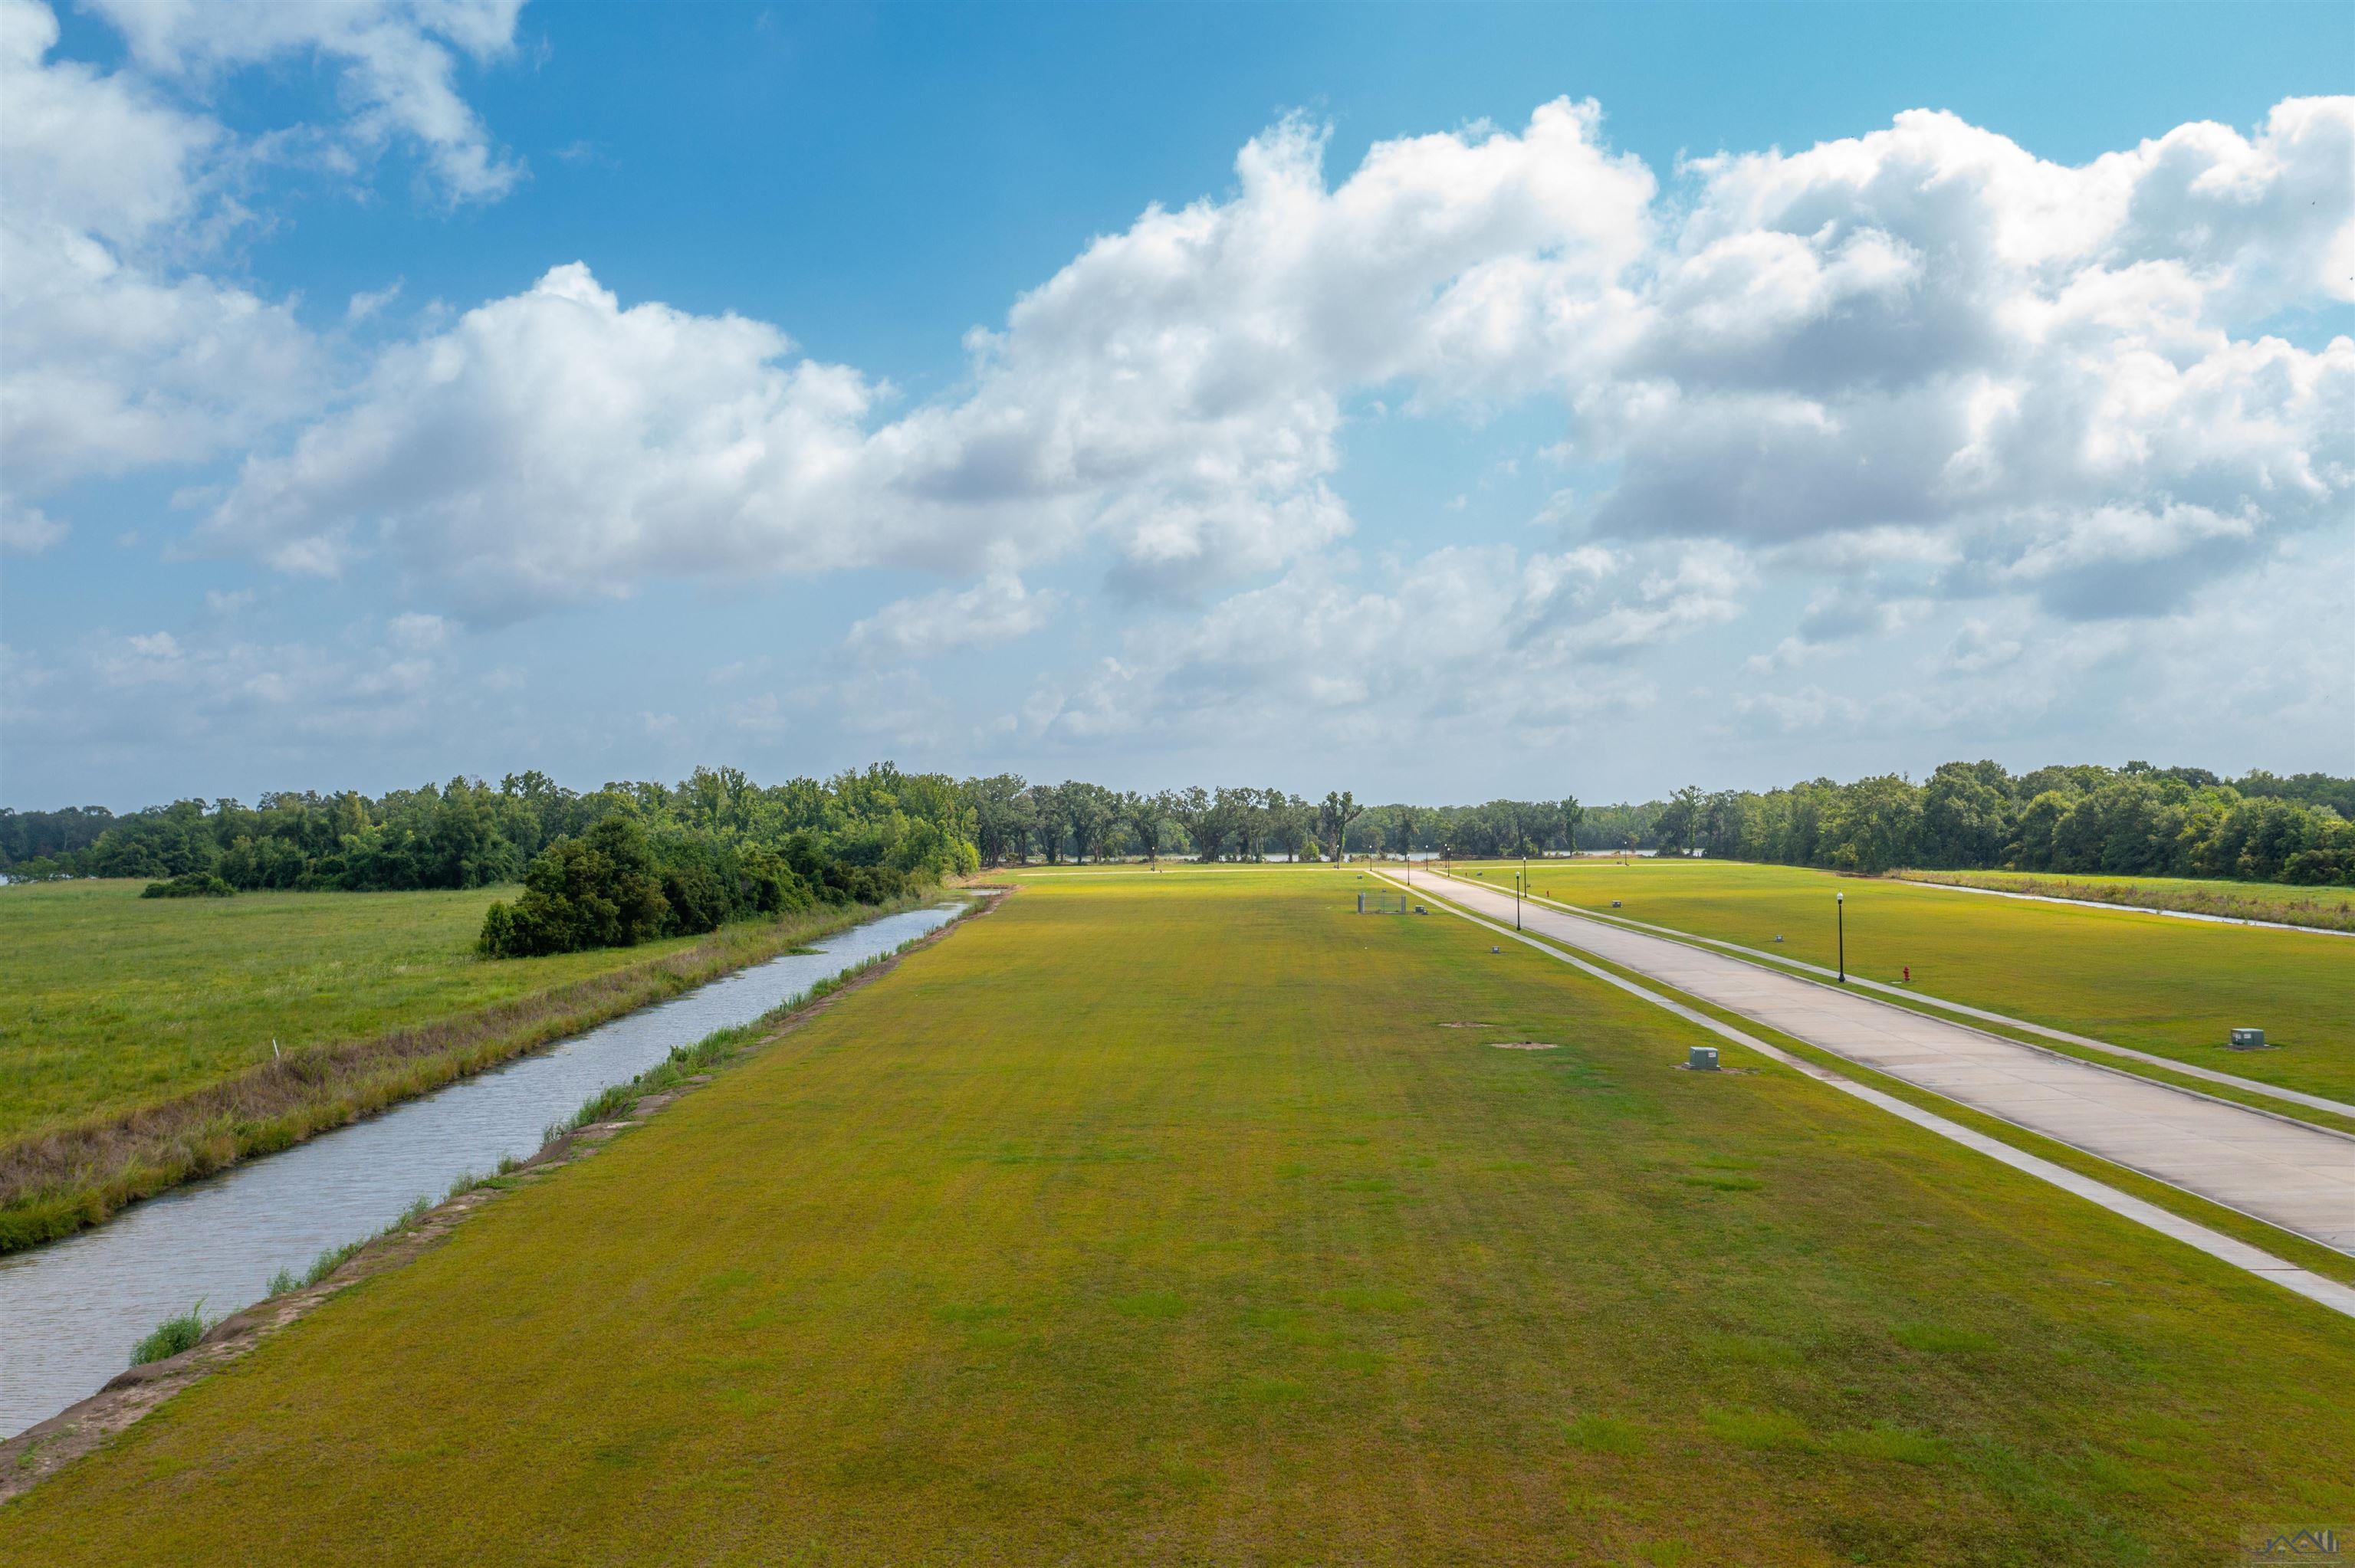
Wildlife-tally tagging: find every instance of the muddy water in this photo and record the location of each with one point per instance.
(70, 1311)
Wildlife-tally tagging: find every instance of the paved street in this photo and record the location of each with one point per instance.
(2297, 1177)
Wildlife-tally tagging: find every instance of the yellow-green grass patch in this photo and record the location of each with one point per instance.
(2327, 908)
(2173, 988)
(1152, 1219)
(109, 1001)
(136, 1035)
(2291, 1247)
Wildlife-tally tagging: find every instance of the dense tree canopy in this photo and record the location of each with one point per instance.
(468, 834)
(617, 884)
(2136, 820)
(2140, 819)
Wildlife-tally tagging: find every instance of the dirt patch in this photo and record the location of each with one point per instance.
(1467, 1025)
(33, 1456)
(1520, 1045)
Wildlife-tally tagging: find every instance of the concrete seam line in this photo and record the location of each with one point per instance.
(1813, 973)
(2241, 1255)
(2008, 1121)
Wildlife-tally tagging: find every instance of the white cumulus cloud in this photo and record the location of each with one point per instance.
(394, 61)
(1175, 390)
(998, 608)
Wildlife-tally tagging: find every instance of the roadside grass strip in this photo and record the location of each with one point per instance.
(2327, 1262)
(1157, 1219)
(2271, 1098)
(2327, 1290)
(2271, 904)
(2165, 988)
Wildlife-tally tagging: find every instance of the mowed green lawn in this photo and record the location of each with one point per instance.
(2175, 988)
(2326, 908)
(109, 1001)
(1158, 1218)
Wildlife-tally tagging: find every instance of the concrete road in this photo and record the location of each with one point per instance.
(2298, 1177)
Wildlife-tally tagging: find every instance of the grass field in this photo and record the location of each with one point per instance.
(1159, 1217)
(2174, 988)
(122, 1019)
(109, 1001)
(2329, 909)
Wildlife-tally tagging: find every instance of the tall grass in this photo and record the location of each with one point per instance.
(335, 1258)
(179, 1332)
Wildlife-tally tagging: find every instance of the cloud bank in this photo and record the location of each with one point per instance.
(1919, 370)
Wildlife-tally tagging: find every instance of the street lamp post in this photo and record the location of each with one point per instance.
(1839, 916)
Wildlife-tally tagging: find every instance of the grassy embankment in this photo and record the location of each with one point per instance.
(1158, 1218)
(136, 1033)
(2173, 988)
(2327, 908)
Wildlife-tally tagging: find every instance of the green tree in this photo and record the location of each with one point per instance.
(1142, 815)
(599, 890)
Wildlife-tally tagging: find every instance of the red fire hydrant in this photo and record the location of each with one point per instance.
(1909, 973)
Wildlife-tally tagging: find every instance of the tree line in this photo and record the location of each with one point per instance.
(617, 886)
(2135, 821)
(2138, 819)
(1016, 821)
(466, 833)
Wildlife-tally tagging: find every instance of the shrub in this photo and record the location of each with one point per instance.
(697, 901)
(770, 886)
(334, 1258)
(190, 885)
(596, 891)
(615, 886)
(172, 1336)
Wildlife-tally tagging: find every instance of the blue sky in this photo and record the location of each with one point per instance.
(396, 391)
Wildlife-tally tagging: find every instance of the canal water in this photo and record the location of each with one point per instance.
(72, 1310)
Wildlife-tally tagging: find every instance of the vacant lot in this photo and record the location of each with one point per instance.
(109, 1000)
(2175, 988)
(2329, 909)
(1166, 1217)
(136, 1033)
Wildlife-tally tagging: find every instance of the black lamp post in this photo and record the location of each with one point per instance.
(1839, 916)
(1524, 876)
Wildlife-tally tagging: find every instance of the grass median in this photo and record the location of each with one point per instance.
(2324, 908)
(2173, 988)
(1183, 1217)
